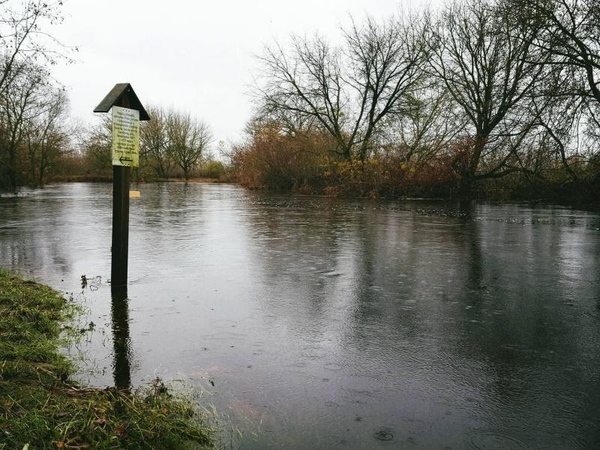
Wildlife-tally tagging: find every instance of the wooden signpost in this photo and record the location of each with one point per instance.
(127, 111)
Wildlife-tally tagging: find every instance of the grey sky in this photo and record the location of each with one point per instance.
(193, 56)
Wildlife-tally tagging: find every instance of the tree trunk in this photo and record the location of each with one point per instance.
(467, 179)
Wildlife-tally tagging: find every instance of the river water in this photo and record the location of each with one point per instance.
(321, 323)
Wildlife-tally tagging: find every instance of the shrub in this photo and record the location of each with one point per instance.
(212, 169)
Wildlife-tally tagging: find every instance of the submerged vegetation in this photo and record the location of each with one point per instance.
(41, 408)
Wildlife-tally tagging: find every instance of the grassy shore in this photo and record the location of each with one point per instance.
(40, 408)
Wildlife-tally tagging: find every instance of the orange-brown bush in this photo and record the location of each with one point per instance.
(273, 160)
(389, 176)
(307, 163)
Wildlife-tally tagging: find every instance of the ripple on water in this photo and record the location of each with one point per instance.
(384, 434)
(495, 441)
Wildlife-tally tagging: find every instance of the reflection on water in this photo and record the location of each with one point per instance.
(323, 323)
(121, 340)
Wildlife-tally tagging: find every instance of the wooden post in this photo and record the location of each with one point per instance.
(120, 230)
(121, 95)
(120, 225)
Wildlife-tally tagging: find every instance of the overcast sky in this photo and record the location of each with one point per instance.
(191, 55)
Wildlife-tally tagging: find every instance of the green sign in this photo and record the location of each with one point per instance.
(125, 137)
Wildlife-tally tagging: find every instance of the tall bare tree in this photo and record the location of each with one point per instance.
(20, 104)
(24, 36)
(571, 33)
(348, 91)
(487, 59)
(154, 143)
(571, 37)
(27, 49)
(187, 138)
(46, 134)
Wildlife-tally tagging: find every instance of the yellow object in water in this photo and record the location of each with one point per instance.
(135, 194)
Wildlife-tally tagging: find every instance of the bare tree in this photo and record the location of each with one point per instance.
(347, 91)
(19, 106)
(187, 138)
(571, 33)
(426, 127)
(46, 135)
(154, 143)
(27, 48)
(571, 37)
(97, 146)
(486, 57)
(24, 38)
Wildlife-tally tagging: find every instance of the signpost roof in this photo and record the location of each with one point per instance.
(122, 95)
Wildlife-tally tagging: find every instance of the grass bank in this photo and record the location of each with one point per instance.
(40, 408)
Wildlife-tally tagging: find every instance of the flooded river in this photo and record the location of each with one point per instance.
(315, 323)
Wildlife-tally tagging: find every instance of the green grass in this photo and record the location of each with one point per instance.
(40, 408)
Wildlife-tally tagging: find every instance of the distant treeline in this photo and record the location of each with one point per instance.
(172, 144)
(496, 98)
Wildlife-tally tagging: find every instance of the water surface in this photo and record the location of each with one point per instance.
(329, 324)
